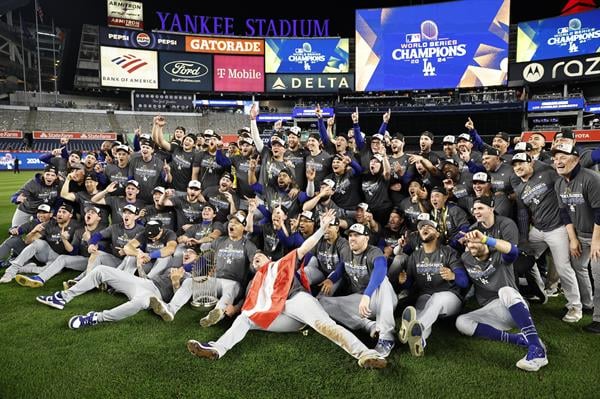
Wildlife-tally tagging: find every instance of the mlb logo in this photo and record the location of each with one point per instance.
(413, 38)
(562, 30)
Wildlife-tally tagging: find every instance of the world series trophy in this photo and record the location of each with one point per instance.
(204, 283)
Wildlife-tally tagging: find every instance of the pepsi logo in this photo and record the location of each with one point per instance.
(143, 39)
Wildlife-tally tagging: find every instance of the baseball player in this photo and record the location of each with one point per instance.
(233, 255)
(436, 273)
(21, 236)
(295, 308)
(372, 294)
(150, 251)
(77, 259)
(578, 192)
(138, 290)
(503, 308)
(537, 201)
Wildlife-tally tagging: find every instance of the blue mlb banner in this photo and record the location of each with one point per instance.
(555, 105)
(27, 160)
(565, 36)
(307, 55)
(442, 45)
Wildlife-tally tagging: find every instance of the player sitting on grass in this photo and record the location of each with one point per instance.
(489, 263)
(291, 307)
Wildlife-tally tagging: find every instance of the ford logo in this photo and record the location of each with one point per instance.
(181, 69)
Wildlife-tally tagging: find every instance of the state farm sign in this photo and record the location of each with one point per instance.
(239, 73)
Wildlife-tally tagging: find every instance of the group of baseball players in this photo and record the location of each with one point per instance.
(332, 233)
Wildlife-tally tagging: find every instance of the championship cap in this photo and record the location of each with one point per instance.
(131, 208)
(153, 228)
(359, 228)
(482, 177)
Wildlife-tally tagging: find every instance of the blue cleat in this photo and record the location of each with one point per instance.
(55, 300)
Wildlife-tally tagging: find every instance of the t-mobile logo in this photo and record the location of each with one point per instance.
(221, 72)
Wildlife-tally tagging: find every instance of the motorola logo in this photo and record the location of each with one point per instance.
(533, 72)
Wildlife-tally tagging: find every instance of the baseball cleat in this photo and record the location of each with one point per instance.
(202, 349)
(90, 319)
(212, 318)
(68, 284)
(416, 342)
(408, 316)
(593, 327)
(372, 361)
(26, 281)
(161, 309)
(534, 360)
(573, 315)
(384, 347)
(55, 300)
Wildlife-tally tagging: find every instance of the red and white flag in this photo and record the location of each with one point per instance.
(269, 290)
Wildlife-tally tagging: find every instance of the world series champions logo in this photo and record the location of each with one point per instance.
(427, 48)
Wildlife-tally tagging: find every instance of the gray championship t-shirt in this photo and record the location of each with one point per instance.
(425, 268)
(489, 275)
(358, 268)
(580, 196)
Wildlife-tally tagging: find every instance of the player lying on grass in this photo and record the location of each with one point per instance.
(139, 291)
(278, 300)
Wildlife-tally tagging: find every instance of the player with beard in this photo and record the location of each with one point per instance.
(323, 200)
(296, 155)
(233, 255)
(150, 251)
(76, 259)
(482, 187)
(436, 274)
(425, 144)
(375, 187)
(500, 142)
(147, 169)
(458, 184)
(503, 308)
(399, 164)
(21, 236)
(42, 189)
(241, 163)
(189, 208)
(184, 159)
(372, 295)
(118, 171)
(283, 193)
(223, 197)
(200, 235)
(347, 193)
(464, 144)
(210, 171)
(449, 148)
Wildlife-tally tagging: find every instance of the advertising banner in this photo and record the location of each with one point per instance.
(120, 67)
(565, 36)
(224, 45)
(557, 70)
(593, 108)
(141, 40)
(239, 73)
(128, 14)
(185, 71)
(555, 105)
(27, 160)
(45, 135)
(442, 45)
(592, 135)
(309, 112)
(11, 134)
(318, 83)
(307, 55)
(146, 101)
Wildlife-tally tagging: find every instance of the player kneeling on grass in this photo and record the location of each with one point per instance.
(503, 307)
(437, 275)
(140, 291)
(291, 307)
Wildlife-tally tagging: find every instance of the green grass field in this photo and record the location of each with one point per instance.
(145, 357)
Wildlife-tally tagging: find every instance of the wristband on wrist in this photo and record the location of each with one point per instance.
(491, 242)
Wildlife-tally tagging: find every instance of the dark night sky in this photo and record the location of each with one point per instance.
(71, 14)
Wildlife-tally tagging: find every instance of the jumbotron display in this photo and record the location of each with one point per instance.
(444, 45)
